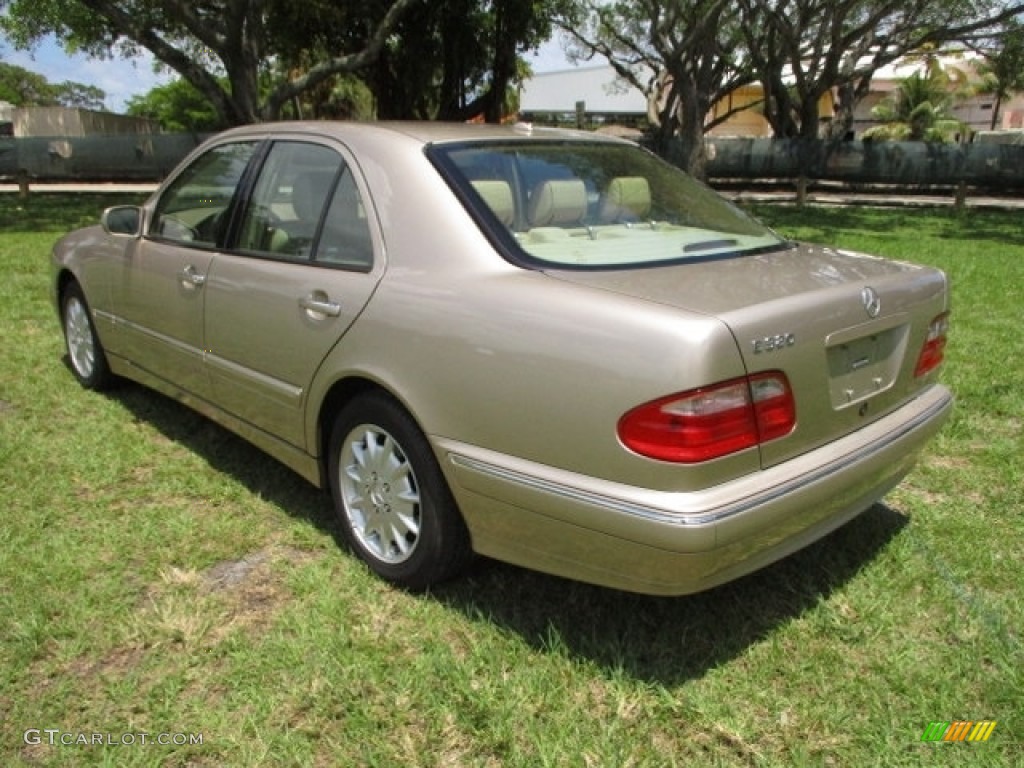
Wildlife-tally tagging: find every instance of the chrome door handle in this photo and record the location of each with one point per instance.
(191, 278)
(318, 303)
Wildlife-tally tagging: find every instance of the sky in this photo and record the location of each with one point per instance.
(121, 79)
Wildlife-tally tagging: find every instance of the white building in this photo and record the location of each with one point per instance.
(600, 91)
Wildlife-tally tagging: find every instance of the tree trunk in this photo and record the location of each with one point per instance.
(778, 108)
(245, 97)
(996, 108)
(809, 146)
(691, 136)
(842, 122)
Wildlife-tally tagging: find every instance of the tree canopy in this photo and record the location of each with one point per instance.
(178, 107)
(256, 60)
(800, 51)
(919, 110)
(22, 88)
(457, 60)
(805, 49)
(1002, 70)
(253, 60)
(224, 48)
(684, 55)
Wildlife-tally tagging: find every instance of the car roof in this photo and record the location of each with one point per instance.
(422, 132)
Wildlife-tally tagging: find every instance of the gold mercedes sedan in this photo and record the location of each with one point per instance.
(549, 348)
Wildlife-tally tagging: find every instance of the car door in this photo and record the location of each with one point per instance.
(301, 270)
(160, 297)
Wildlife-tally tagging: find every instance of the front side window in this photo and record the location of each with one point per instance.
(193, 209)
(305, 205)
(599, 205)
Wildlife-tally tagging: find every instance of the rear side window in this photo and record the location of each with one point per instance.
(193, 210)
(306, 205)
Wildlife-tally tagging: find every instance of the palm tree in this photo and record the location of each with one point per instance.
(1002, 72)
(919, 110)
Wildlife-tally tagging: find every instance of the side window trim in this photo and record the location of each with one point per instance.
(222, 232)
(240, 200)
(304, 192)
(354, 227)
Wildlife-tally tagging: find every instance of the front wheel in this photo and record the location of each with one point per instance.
(395, 508)
(85, 354)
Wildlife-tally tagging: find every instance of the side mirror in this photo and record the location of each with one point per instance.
(122, 220)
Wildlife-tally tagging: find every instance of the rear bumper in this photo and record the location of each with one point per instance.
(677, 543)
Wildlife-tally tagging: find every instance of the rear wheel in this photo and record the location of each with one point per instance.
(395, 508)
(85, 353)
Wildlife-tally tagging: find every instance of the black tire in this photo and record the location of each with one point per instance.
(85, 353)
(396, 511)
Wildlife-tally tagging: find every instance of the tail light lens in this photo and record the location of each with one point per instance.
(934, 350)
(713, 421)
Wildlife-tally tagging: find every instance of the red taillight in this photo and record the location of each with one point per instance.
(773, 405)
(933, 352)
(710, 422)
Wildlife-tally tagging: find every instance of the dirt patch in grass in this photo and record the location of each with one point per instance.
(201, 607)
(191, 611)
(235, 574)
(250, 588)
(949, 462)
(115, 663)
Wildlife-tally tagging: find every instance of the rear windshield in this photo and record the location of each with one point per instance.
(596, 205)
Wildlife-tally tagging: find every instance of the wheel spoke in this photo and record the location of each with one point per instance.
(81, 346)
(379, 492)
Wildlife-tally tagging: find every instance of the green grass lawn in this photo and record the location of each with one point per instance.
(160, 576)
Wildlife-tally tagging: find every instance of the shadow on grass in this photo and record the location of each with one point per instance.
(656, 639)
(229, 454)
(670, 640)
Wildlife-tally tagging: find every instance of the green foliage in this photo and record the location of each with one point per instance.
(458, 60)
(254, 60)
(919, 110)
(341, 97)
(22, 88)
(694, 46)
(803, 52)
(1002, 71)
(178, 107)
(71, 94)
(222, 49)
(350, 99)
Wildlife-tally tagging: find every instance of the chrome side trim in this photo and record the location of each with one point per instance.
(282, 391)
(683, 519)
(163, 338)
(573, 494)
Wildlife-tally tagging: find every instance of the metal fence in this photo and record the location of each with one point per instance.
(152, 157)
(95, 158)
(906, 163)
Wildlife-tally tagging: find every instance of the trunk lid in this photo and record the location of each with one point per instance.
(845, 328)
